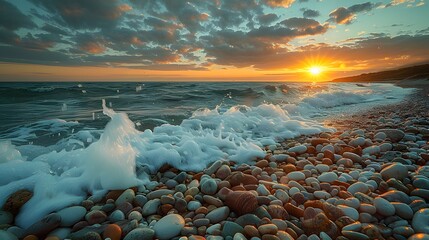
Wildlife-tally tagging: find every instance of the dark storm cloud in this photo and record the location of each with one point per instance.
(86, 14)
(12, 19)
(344, 15)
(267, 19)
(309, 13)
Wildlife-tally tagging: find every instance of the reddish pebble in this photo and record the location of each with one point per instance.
(113, 232)
(31, 237)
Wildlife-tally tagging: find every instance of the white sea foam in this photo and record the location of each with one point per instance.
(63, 174)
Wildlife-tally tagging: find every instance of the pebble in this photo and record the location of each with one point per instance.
(403, 210)
(327, 177)
(384, 207)
(298, 149)
(354, 235)
(159, 193)
(117, 216)
(209, 186)
(5, 217)
(396, 170)
(113, 232)
(349, 211)
(127, 196)
(420, 221)
(231, 228)
(218, 214)
(358, 187)
(296, 176)
(45, 225)
(169, 226)
(7, 235)
(268, 229)
(95, 216)
(151, 207)
(141, 233)
(395, 135)
(71, 215)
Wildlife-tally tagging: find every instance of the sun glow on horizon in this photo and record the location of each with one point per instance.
(315, 70)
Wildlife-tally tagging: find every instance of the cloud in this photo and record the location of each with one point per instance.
(11, 18)
(82, 14)
(279, 3)
(309, 13)
(267, 19)
(344, 15)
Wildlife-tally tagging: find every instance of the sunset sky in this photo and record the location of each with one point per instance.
(265, 40)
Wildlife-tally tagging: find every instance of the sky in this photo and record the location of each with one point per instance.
(208, 40)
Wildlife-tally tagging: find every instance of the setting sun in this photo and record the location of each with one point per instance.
(315, 70)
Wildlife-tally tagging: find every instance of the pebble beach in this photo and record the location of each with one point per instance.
(367, 180)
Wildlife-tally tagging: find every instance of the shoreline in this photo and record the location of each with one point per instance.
(360, 182)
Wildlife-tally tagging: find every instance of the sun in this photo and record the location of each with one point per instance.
(315, 70)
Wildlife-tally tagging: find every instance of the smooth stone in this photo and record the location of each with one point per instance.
(7, 235)
(213, 167)
(394, 135)
(298, 149)
(135, 215)
(396, 170)
(95, 216)
(350, 212)
(354, 235)
(5, 217)
(296, 176)
(380, 136)
(386, 147)
(248, 219)
(117, 216)
(420, 221)
(231, 228)
(140, 200)
(421, 183)
(322, 168)
(71, 215)
(44, 226)
(327, 177)
(396, 196)
(353, 156)
(423, 193)
(268, 229)
(239, 236)
(113, 232)
(384, 207)
(169, 226)
(404, 231)
(419, 236)
(159, 193)
(281, 195)
(193, 205)
(359, 141)
(209, 186)
(140, 233)
(60, 233)
(355, 227)
(151, 207)
(403, 210)
(372, 150)
(213, 200)
(218, 214)
(201, 222)
(321, 194)
(127, 196)
(358, 187)
(262, 190)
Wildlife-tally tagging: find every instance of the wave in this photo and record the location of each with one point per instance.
(64, 177)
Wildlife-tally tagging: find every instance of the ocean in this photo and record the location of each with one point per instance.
(65, 140)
